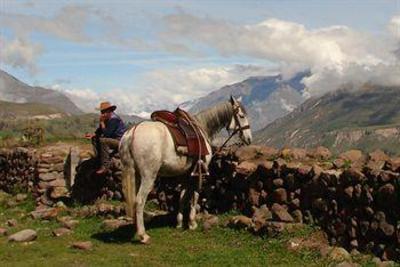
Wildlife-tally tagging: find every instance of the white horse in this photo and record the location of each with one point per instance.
(148, 151)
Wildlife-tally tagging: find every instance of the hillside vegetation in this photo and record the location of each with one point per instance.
(57, 125)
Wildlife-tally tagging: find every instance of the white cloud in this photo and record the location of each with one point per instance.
(20, 53)
(71, 24)
(88, 99)
(179, 85)
(164, 89)
(394, 26)
(335, 54)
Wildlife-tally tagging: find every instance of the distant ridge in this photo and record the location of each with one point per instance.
(13, 90)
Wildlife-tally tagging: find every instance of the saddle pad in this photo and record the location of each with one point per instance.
(195, 140)
(177, 135)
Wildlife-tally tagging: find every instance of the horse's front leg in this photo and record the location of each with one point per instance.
(192, 214)
(179, 217)
(146, 185)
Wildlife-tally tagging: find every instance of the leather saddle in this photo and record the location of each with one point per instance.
(187, 135)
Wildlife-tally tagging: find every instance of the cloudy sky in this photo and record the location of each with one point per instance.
(148, 54)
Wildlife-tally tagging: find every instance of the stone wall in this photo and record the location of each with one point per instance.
(17, 170)
(355, 198)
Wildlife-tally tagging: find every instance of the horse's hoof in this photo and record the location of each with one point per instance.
(179, 226)
(145, 239)
(193, 226)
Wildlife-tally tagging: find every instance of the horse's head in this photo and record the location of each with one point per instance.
(239, 122)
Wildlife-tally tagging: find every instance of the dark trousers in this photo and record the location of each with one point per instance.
(102, 147)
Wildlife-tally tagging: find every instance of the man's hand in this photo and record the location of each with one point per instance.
(89, 136)
(103, 117)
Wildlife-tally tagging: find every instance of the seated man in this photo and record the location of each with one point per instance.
(107, 135)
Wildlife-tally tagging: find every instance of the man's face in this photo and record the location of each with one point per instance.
(106, 114)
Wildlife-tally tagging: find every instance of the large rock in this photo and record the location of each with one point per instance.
(280, 195)
(387, 176)
(393, 164)
(246, 168)
(240, 221)
(46, 214)
(354, 157)
(57, 183)
(274, 228)
(261, 216)
(85, 245)
(21, 197)
(337, 254)
(71, 224)
(254, 152)
(387, 196)
(68, 222)
(3, 231)
(320, 153)
(23, 236)
(281, 214)
(61, 231)
(12, 222)
(266, 168)
(246, 153)
(210, 221)
(47, 177)
(294, 153)
(59, 192)
(112, 224)
(378, 156)
(254, 197)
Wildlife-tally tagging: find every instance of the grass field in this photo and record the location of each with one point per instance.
(169, 247)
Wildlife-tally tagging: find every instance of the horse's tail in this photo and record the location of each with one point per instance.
(128, 173)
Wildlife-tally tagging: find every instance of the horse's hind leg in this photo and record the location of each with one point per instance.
(179, 217)
(129, 189)
(146, 185)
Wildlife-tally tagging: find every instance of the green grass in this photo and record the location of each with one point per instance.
(169, 247)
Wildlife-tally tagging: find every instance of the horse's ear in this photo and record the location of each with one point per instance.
(239, 99)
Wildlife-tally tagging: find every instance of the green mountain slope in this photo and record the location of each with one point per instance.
(367, 119)
(9, 110)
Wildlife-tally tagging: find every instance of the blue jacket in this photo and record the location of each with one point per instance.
(115, 128)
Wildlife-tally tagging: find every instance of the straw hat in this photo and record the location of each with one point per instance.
(106, 106)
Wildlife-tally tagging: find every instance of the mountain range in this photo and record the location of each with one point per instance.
(265, 98)
(365, 117)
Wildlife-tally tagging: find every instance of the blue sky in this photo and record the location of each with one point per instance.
(149, 54)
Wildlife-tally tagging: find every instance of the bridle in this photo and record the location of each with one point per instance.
(238, 128)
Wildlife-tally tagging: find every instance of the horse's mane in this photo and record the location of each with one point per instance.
(213, 119)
